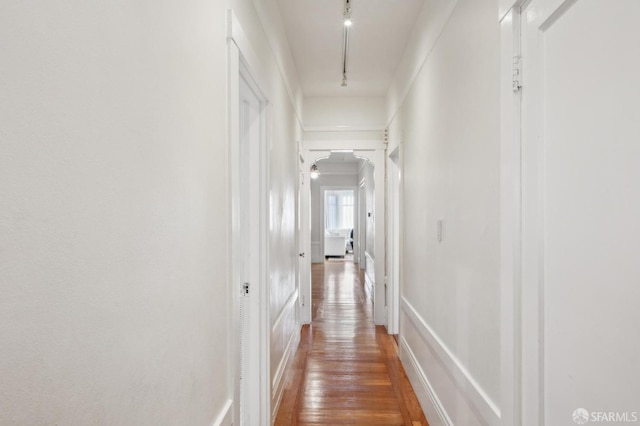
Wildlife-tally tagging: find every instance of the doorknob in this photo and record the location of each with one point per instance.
(301, 254)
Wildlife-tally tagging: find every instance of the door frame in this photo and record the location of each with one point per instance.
(521, 231)
(380, 294)
(308, 158)
(373, 151)
(243, 65)
(510, 221)
(394, 235)
(304, 234)
(362, 223)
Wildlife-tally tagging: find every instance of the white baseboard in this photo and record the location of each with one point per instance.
(289, 304)
(285, 363)
(459, 379)
(225, 417)
(369, 274)
(429, 401)
(368, 286)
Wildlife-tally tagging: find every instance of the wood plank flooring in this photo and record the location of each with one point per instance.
(346, 370)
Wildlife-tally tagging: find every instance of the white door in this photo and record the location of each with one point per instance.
(247, 234)
(580, 211)
(304, 241)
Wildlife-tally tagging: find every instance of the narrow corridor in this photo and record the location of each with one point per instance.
(346, 370)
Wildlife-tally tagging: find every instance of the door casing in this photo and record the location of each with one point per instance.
(251, 406)
(529, 286)
(374, 152)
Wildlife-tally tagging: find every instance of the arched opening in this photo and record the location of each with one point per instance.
(346, 179)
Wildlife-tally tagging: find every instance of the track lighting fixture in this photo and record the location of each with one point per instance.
(347, 13)
(345, 40)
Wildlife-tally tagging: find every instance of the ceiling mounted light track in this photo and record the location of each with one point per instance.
(345, 40)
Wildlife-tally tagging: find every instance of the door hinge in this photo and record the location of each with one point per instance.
(245, 289)
(517, 73)
(302, 300)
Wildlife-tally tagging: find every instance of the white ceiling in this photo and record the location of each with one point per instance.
(378, 37)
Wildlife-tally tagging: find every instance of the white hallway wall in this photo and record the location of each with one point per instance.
(443, 109)
(358, 112)
(115, 212)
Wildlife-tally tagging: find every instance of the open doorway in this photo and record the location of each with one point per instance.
(334, 207)
(339, 222)
(363, 171)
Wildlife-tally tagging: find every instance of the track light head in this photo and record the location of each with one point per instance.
(345, 43)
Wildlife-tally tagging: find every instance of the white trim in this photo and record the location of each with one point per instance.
(347, 135)
(225, 417)
(244, 65)
(286, 307)
(362, 164)
(393, 226)
(510, 226)
(369, 258)
(429, 401)
(304, 236)
(505, 7)
(343, 129)
(379, 220)
(466, 384)
(237, 35)
(278, 384)
(369, 273)
(233, 134)
(356, 145)
(265, 278)
(339, 173)
(549, 11)
(362, 232)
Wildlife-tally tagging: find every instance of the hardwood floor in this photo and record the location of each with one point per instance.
(346, 370)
